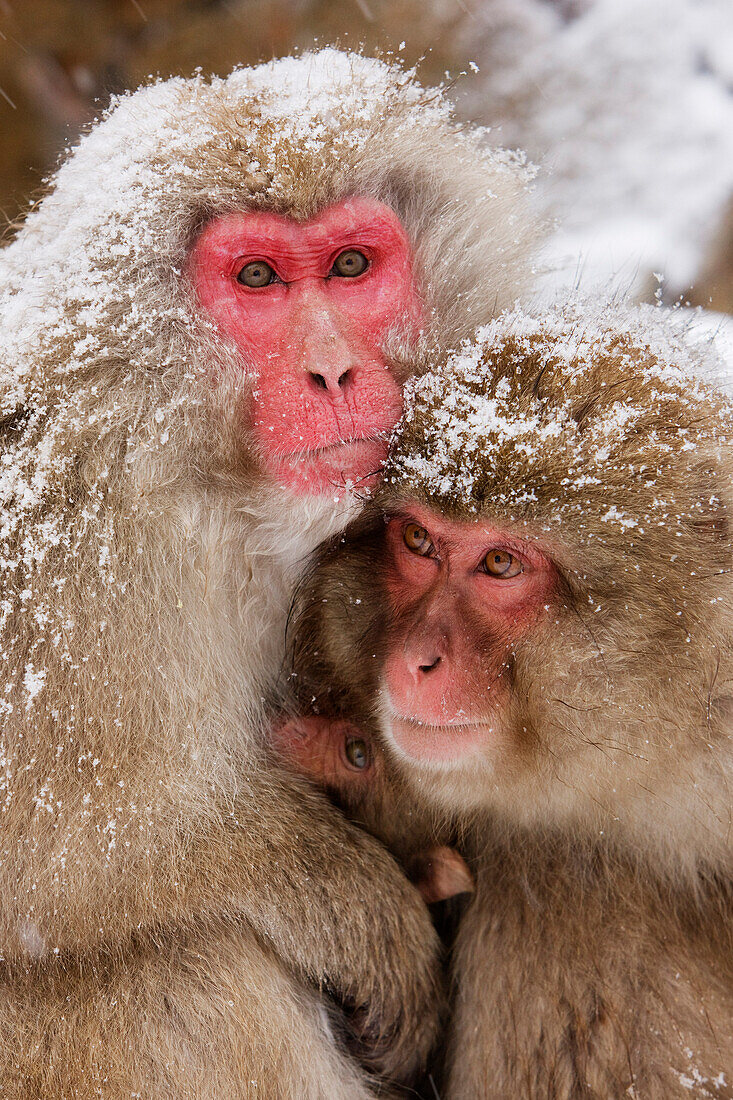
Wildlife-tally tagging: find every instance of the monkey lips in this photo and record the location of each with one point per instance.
(438, 744)
(345, 462)
(310, 305)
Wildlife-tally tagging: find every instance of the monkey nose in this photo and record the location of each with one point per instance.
(331, 380)
(429, 667)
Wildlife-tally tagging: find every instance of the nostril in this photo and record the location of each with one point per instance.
(429, 668)
(331, 382)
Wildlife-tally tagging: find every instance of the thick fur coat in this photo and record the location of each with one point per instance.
(595, 960)
(170, 903)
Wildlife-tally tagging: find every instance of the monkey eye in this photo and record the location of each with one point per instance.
(357, 753)
(256, 273)
(500, 563)
(417, 540)
(349, 264)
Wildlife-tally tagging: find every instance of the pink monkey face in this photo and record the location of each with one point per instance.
(310, 304)
(462, 596)
(330, 751)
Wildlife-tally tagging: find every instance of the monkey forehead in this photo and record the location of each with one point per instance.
(291, 137)
(286, 135)
(311, 90)
(267, 134)
(359, 221)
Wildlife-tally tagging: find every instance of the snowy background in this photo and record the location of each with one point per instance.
(626, 106)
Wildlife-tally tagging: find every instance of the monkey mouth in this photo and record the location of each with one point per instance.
(336, 447)
(335, 465)
(438, 743)
(420, 723)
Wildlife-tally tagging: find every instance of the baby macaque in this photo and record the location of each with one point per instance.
(537, 615)
(350, 765)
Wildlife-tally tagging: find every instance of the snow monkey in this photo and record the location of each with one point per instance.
(350, 764)
(204, 324)
(537, 618)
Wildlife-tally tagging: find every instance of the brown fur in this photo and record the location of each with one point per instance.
(176, 914)
(596, 959)
(379, 798)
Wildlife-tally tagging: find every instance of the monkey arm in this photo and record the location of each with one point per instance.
(139, 803)
(327, 896)
(338, 908)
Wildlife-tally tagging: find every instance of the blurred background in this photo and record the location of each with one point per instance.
(625, 106)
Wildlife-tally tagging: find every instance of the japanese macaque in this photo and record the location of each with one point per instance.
(537, 612)
(350, 765)
(204, 329)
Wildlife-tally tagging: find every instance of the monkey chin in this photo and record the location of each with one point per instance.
(344, 466)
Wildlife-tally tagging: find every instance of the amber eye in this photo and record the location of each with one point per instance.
(357, 753)
(499, 563)
(417, 540)
(256, 273)
(349, 264)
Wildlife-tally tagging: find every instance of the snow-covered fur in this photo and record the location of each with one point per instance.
(147, 568)
(596, 959)
(109, 376)
(593, 434)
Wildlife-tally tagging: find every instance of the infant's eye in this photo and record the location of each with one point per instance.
(349, 264)
(417, 540)
(357, 753)
(257, 273)
(500, 563)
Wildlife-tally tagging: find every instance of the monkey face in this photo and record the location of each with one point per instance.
(310, 304)
(556, 604)
(336, 754)
(461, 596)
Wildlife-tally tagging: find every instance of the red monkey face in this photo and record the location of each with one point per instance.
(310, 304)
(332, 752)
(461, 596)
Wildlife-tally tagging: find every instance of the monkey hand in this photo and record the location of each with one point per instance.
(440, 873)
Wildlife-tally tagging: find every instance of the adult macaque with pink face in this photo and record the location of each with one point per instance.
(456, 589)
(206, 326)
(535, 620)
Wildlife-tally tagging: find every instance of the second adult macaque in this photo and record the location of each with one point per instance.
(538, 615)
